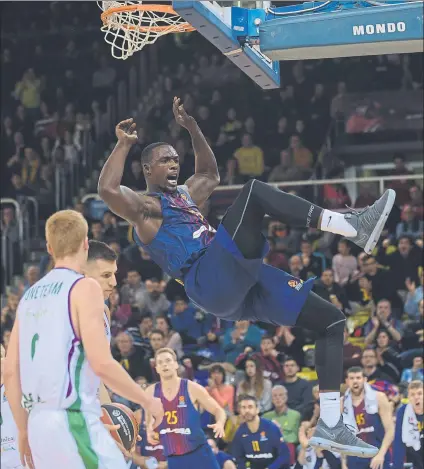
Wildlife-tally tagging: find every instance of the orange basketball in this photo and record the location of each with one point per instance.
(119, 414)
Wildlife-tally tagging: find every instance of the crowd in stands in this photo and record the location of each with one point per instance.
(52, 94)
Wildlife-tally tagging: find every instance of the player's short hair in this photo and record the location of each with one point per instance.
(99, 250)
(355, 369)
(166, 350)
(246, 397)
(65, 231)
(416, 384)
(147, 153)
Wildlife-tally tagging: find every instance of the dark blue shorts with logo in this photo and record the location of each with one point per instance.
(229, 286)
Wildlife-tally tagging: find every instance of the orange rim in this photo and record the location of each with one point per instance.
(165, 9)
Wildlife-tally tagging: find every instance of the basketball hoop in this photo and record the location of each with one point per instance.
(131, 25)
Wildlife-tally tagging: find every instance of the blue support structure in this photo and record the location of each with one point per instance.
(247, 57)
(342, 29)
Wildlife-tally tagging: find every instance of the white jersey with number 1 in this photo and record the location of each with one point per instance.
(58, 385)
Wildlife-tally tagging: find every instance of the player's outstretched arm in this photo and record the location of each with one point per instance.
(123, 201)
(206, 176)
(87, 313)
(204, 400)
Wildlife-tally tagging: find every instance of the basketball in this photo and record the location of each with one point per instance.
(118, 414)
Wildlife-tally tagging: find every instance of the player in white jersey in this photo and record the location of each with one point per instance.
(58, 354)
(9, 433)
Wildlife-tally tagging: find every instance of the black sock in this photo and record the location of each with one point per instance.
(328, 322)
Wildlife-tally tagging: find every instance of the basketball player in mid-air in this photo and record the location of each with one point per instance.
(180, 433)
(223, 272)
(57, 355)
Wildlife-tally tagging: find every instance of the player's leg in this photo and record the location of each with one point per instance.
(258, 199)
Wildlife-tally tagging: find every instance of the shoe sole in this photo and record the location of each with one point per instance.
(375, 235)
(324, 444)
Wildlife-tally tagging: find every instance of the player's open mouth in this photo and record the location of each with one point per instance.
(172, 179)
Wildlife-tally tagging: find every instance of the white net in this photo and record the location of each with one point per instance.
(128, 27)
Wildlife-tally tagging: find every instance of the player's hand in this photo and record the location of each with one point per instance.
(155, 408)
(181, 116)
(152, 436)
(25, 451)
(218, 429)
(126, 133)
(377, 462)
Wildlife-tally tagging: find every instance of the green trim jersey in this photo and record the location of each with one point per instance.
(55, 373)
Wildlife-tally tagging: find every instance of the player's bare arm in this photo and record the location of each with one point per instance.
(152, 436)
(122, 200)
(202, 398)
(206, 176)
(12, 384)
(386, 415)
(87, 309)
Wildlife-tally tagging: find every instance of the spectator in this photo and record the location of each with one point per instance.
(241, 338)
(414, 296)
(135, 179)
(287, 419)
(32, 276)
(192, 324)
(416, 196)
(28, 90)
(330, 291)
(142, 263)
(372, 370)
(262, 439)
(412, 340)
(120, 313)
(104, 77)
(97, 230)
(344, 263)
(314, 262)
(410, 225)
(31, 168)
(153, 300)
(248, 161)
(416, 373)
(141, 334)
(383, 320)
(254, 384)
(172, 338)
(8, 312)
(232, 126)
(404, 262)
(268, 358)
(302, 158)
(387, 355)
(351, 353)
(380, 278)
(223, 393)
(286, 239)
(225, 461)
(132, 292)
(401, 187)
(298, 389)
(296, 268)
(130, 357)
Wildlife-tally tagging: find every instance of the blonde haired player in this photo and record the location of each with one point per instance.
(9, 433)
(58, 353)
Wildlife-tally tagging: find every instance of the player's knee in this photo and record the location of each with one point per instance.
(248, 187)
(337, 322)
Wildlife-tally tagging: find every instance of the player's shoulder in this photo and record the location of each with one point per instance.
(85, 285)
(241, 430)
